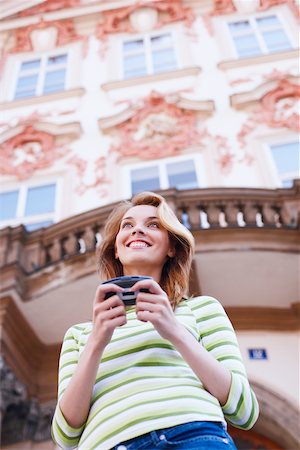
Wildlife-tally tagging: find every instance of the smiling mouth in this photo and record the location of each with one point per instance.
(138, 244)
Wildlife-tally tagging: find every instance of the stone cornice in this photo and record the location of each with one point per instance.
(15, 104)
(67, 13)
(205, 108)
(245, 99)
(170, 75)
(261, 59)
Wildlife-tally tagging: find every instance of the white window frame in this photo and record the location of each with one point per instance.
(41, 72)
(23, 188)
(257, 32)
(276, 177)
(163, 176)
(146, 37)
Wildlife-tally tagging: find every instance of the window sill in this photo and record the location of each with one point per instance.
(120, 84)
(261, 59)
(78, 92)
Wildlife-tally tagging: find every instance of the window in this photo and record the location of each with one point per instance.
(287, 161)
(179, 174)
(148, 55)
(33, 206)
(259, 35)
(41, 76)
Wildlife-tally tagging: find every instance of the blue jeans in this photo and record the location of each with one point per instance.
(188, 436)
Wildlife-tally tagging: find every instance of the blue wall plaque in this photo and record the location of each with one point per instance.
(257, 353)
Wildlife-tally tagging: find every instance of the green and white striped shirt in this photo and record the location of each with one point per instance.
(144, 384)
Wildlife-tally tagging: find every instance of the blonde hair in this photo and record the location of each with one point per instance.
(175, 273)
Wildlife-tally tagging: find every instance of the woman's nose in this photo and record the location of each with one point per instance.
(137, 229)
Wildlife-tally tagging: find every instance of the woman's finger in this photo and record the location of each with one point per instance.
(103, 289)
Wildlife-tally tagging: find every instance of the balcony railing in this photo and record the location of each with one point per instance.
(198, 209)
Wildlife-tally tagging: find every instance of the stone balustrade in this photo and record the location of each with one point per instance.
(198, 209)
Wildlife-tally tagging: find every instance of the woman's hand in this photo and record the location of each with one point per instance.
(155, 307)
(107, 314)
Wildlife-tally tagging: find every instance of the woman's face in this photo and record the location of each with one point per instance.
(142, 244)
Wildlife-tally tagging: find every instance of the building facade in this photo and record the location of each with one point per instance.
(196, 99)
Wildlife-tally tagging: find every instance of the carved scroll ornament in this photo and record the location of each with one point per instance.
(278, 108)
(116, 21)
(65, 34)
(28, 151)
(158, 129)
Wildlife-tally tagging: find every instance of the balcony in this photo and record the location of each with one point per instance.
(220, 219)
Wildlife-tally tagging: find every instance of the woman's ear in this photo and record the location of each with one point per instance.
(116, 254)
(171, 252)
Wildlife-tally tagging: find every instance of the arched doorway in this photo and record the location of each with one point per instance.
(277, 427)
(250, 440)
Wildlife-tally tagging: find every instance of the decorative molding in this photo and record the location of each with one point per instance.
(169, 75)
(223, 7)
(261, 59)
(250, 99)
(226, 157)
(203, 108)
(117, 21)
(266, 4)
(158, 128)
(278, 108)
(101, 178)
(32, 147)
(65, 34)
(49, 6)
(24, 102)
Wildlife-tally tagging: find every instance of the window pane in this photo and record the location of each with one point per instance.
(164, 60)
(54, 81)
(58, 59)
(164, 40)
(145, 179)
(40, 200)
(8, 205)
(287, 157)
(26, 86)
(133, 45)
(276, 40)
(30, 65)
(134, 66)
(36, 226)
(247, 45)
(267, 21)
(182, 175)
(242, 25)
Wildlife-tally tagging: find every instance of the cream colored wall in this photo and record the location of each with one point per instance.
(194, 47)
(280, 373)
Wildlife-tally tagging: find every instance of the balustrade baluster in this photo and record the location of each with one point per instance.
(55, 250)
(69, 245)
(231, 211)
(250, 214)
(194, 217)
(213, 215)
(89, 238)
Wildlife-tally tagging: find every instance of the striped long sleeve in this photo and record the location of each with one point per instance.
(218, 337)
(63, 434)
(143, 383)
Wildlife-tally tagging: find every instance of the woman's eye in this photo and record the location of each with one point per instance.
(126, 225)
(154, 224)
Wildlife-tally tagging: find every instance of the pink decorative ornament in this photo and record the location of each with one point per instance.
(117, 21)
(65, 34)
(27, 152)
(157, 130)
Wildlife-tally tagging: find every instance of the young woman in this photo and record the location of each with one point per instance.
(163, 374)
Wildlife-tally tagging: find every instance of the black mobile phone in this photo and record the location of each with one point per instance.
(126, 282)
